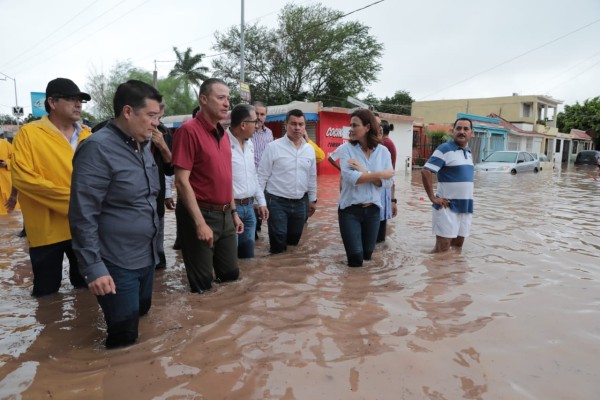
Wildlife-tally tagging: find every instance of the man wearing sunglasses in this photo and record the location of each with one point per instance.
(41, 172)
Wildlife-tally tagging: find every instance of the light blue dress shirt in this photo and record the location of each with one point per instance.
(362, 193)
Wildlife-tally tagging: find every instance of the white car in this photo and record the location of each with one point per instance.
(509, 162)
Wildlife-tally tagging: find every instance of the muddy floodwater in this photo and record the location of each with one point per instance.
(516, 315)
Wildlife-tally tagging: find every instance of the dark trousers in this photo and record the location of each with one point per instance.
(359, 226)
(199, 259)
(382, 231)
(286, 221)
(122, 310)
(47, 266)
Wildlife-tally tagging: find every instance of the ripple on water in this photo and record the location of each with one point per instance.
(303, 325)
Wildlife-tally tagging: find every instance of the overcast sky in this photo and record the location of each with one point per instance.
(436, 49)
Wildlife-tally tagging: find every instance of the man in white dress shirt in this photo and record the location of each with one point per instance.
(288, 174)
(260, 140)
(246, 191)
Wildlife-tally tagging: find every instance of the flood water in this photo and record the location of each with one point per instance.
(516, 315)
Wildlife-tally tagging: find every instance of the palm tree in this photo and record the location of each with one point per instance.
(187, 68)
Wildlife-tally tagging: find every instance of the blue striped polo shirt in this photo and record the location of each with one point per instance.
(454, 168)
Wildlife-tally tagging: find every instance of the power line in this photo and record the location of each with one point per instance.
(85, 37)
(558, 75)
(576, 76)
(187, 43)
(47, 37)
(512, 59)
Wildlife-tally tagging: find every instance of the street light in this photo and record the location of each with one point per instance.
(16, 101)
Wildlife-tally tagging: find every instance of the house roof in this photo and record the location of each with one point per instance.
(512, 127)
(579, 134)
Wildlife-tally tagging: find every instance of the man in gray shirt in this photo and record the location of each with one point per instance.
(112, 211)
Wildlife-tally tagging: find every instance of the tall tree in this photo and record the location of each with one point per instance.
(399, 103)
(313, 55)
(6, 119)
(585, 117)
(188, 69)
(102, 87)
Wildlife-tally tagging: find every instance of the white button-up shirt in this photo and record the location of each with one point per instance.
(245, 181)
(288, 172)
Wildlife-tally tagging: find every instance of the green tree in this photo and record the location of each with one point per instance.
(399, 103)
(187, 69)
(6, 119)
(312, 55)
(585, 117)
(102, 89)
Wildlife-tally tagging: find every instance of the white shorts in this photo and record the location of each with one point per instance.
(450, 224)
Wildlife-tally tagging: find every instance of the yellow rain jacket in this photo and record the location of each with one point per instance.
(319, 154)
(42, 163)
(5, 181)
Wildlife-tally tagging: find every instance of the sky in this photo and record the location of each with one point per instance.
(433, 49)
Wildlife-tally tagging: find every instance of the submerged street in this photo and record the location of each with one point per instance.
(515, 316)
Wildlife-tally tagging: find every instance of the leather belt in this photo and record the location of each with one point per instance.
(244, 202)
(363, 205)
(214, 207)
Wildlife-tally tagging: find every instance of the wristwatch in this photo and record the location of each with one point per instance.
(395, 201)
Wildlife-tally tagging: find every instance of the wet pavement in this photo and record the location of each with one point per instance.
(514, 316)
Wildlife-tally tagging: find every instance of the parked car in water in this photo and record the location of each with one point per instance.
(509, 161)
(587, 157)
(544, 161)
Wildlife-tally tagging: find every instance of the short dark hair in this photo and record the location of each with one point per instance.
(368, 118)
(463, 119)
(195, 111)
(207, 85)
(259, 104)
(240, 113)
(294, 113)
(134, 93)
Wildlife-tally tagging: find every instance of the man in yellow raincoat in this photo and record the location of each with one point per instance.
(41, 171)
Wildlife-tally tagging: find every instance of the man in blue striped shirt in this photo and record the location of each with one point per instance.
(453, 202)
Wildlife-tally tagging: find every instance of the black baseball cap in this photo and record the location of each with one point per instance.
(64, 87)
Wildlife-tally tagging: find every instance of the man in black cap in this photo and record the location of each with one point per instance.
(41, 172)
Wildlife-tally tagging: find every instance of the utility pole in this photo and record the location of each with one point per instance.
(154, 76)
(242, 73)
(16, 100)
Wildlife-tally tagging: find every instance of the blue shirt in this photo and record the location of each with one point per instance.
(362, 193)
(454, 168)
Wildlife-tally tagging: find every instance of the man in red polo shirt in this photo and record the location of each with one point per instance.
(207, 220)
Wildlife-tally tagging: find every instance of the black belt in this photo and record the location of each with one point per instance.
(214, 207)
(286, 199)
(243, 202)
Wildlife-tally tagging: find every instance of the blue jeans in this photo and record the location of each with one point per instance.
(359, 227)
(286, 221)
(123, 309)
(245, 240)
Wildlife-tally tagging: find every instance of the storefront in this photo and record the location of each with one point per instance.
(328, 127)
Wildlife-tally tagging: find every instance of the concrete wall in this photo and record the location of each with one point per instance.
(509, 108)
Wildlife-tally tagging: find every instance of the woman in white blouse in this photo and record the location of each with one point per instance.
(366, 167)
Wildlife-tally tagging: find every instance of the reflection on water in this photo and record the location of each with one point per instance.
(514, 316)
